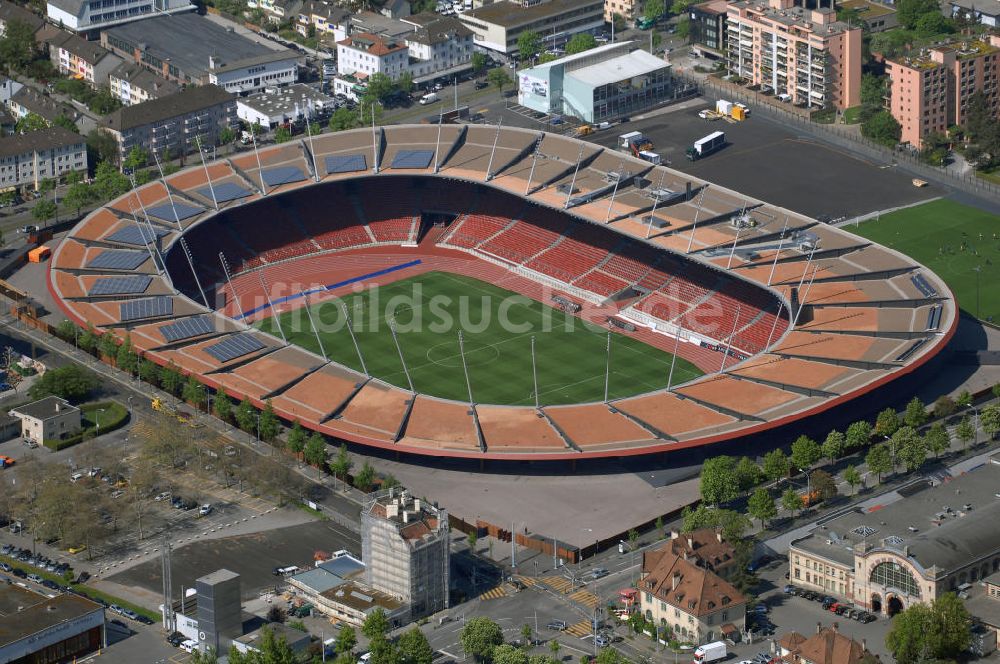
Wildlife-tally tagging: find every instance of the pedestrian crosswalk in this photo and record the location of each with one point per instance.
(559, 584)
(529, 581)
(581, 629)
(494, 593)
(587, 598)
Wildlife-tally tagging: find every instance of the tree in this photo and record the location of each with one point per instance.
(834, 445)
(44, 210)
(341, 466)
(733, 524)
(872, 90)
(498, 78)
(805, 453)
(347, 639)
(508, 654)
(652, 10)
(66, 329)
(887, 422)
(343, 119)
(246, 416)
(822, 482)
(989, 420)
(937, 439)
(852, 477)
(297, 439)
(940, 631)
(554, 648)
(107, 345)
(584, 41)
(376, 625)
(29, 123)
(405, 82)
(479, 637)
(315, 451)
(915, 414)
(529, 45)
(933, 23)
(791, 500)
(379, 87)
(719, 483)
(193, 391)
(207, 657)
(683, 27)
(65, 122)
(222, 406)
(965, 431)
(77, 196)
(909, 448)
(270, 650)
(761, 506)
(944, 406)
(882, 128)
(776, 465)
(17, 47)
(909, 11)
(859, 434)
(479, 61)
(527, 636)
(879, 461)
(269, 425)
(282, 135)
(135, 159)
(414, 648)
(109, 182)
(226, 136)
(102, 146)
(964, 399)
(748, 474)
(72, 383)
(170, 378)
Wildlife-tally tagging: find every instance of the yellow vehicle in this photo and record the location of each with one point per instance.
(917, 182)
(77, 549)
(585, 130)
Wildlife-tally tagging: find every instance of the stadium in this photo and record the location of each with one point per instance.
(479, 292)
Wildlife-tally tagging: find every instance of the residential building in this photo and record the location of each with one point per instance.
(986, 12)
(930, 91)
(81, 59)
(983, 602)
(367, 53)
(440, 46)
(604, 83)
(627, 9)
(404, 545)
(328, 19)
(279, 106)
(707, 21)
(395, 9)
(27, 159)
(910, 551)
(804, 53)
(40, 628)
(173, 122)
(193, 50)
(336, 589)
(378, 24)
(877, 16)
(50, 418)
(27, 99)
(826, 646)
(687, 600)
(11, 12)
(8, 87)
(277, 11)
(707, 548)
(497, 26)
(132, 84)
(91, 16)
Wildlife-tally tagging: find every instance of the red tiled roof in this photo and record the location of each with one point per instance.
(682, 584)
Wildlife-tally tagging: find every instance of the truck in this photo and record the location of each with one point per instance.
(706, 146)
(634, 142)
(710, 652)
(651, 157)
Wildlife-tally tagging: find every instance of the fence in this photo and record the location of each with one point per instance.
(848, 138)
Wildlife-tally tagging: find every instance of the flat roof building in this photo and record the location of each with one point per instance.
(336, 589)
(37, 628)
(278, 106)
(928, 542)
(929, 91)
(191, 49)
(877, 16)
(87, 17)
(601, 84)
(50, 418)
(497, 26)
(708, 26)
(805, 53)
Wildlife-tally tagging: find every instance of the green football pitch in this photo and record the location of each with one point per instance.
(497, 325)
(953, 240)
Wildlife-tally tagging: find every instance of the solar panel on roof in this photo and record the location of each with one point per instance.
(412, 159)
(187, 328)
(146, 308)
(346, 163)
(234, 346)
(120, 285)
(134, 236)
(118, 259)
(283, 175)
(175, 212)
(224, 192)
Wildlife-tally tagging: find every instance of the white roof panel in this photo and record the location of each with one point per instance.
(636, 63)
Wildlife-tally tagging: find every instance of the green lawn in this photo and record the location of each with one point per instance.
(952, 240)
(852, 115)
(497, 326)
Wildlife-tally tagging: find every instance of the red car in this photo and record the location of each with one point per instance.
(5, 461)
(833, 607)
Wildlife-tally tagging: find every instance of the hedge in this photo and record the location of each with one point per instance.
(114, 417)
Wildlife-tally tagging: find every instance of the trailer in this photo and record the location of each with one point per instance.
(651, 157)
(706, 146)
(634, 142)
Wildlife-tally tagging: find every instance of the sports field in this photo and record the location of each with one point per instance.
(953, 240)
(497, 325)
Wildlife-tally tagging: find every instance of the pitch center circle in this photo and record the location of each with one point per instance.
(448, 354)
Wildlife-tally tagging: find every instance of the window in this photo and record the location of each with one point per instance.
(894, 575)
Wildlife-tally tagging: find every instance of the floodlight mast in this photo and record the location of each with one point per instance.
(270, 305)
(354, 339)
(694, 225)
(312, 324)
(208, 176)
(781, 242)
(729, 341)
(260, 169)
(194, 273)
(572, 184)
(534, 160)
(656, 201)
(673, 360)
(232, 289)
(402, 360)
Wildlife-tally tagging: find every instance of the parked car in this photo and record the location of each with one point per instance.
(189, 645)
(165, 495)
(205, 510)
(143, 619)
(176, 639)
(35, 578)
(6, 568)
(83, 577)
(557, 625)
(19, 573)
(51, 585)
(602, 641)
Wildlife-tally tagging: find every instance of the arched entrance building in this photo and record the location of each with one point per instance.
(909, 551)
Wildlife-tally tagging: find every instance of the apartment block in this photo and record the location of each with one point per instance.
(930, 91)
(27, 159)
(90, 16)
(173, 122)
(26, 99)
(327, 18)
(497, 26)
(627, 9)
(708, 27)
(81, 59)
(806, 54)
(132, 84)
(439, 46)
(367, 53)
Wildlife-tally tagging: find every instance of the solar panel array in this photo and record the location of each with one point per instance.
(224, 192)
(283, 175)
(186, 328)
(118, 259)
(137, 283)
(234, 346)
(162, 305)
(346, 163)
(175, 212)
(412, 159)
(134, 236)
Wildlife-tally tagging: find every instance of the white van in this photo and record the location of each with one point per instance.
(784, 97)
(429, 98)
